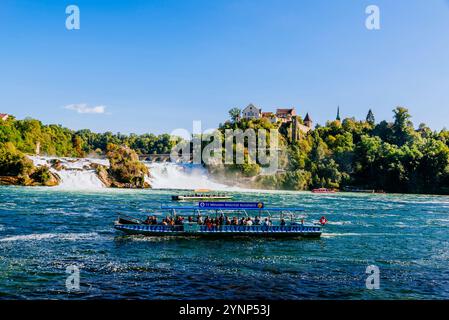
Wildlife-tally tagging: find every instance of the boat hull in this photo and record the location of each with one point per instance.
(304, 231)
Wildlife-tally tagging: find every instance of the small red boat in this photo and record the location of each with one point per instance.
(323, 190)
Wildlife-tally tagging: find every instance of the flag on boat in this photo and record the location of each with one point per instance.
(323, 220)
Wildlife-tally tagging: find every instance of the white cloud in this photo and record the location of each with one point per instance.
(84, 108)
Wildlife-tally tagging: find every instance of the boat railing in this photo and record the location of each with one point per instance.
(273, 214)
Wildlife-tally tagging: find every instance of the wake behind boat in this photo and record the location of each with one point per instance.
(224, 219)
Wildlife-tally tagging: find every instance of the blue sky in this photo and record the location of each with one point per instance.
(153, 66)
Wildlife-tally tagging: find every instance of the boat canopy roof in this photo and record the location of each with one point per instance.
(190, 208)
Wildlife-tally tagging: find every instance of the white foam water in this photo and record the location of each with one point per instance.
(75, 175)
(85, 179)
(181, 176)
(46, 236)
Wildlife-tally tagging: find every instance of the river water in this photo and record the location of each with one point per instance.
(45, 230)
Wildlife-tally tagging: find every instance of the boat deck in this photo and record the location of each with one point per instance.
(200, 197)
(226, 230)
(286, 224)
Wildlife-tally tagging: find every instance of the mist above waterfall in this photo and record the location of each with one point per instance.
(181, 176)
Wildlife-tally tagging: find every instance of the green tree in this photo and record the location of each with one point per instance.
(402, 126)
(234, 113)
(13, 162)
(370, 117)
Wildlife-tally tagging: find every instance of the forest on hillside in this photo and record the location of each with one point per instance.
(391, 156)
(394, 156)
(56, 140)
(19, 138)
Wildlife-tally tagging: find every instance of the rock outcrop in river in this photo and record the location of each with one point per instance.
(122, 169)
(125, 170)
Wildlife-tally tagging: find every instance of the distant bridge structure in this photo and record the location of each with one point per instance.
(182, 158)
(165, 157)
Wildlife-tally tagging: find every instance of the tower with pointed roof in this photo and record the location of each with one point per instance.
(338, 114)
(308, 121)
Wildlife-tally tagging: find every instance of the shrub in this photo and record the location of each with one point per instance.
(13, 162)
(41, 175)
(125, 166)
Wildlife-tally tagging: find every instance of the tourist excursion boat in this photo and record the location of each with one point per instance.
(359, 190)
(323, 190)
(223, 219)
(201, 194)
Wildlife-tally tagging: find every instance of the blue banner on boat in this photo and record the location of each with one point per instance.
(231, 205)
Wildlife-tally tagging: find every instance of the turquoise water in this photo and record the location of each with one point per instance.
(42, 231)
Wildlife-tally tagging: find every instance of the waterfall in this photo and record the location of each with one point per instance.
(76, 174)
(79, 179)
(181, 176)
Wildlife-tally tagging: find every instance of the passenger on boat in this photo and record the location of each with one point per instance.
(282, 222)
(148, 220)
(257, 221)
(267, 222)
(190, 219)
(234, 221)
(228, 221)
(249, 222)
(200, 220)
(179, 220)
(168, 221)
(242, 222)
(208, 222)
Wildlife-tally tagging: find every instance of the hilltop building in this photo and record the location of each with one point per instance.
(286, 115)
(287, 118)
(298, 129)
(270, 116)
(308, 122)
(251, 112)
(4, 116)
